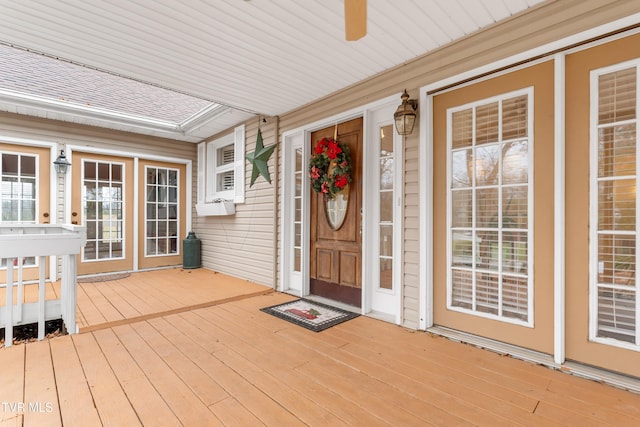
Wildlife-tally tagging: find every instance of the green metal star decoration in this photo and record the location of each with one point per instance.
(259, 159)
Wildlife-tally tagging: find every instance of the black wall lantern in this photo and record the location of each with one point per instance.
(405, 115)
(61, 164)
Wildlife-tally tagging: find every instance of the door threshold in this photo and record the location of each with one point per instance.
(379, 315)
(334, 303)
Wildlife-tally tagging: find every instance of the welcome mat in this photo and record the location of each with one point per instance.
(310, 314)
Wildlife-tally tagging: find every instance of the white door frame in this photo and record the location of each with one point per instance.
(297, 283)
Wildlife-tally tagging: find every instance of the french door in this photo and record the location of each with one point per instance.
(102, 201)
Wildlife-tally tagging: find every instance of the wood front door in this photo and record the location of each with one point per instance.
(336, 252)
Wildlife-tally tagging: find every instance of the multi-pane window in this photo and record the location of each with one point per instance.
(103, 207)
(614, 176)
(18, 175)
(221, 168)
(386, 159)
(162, 211)
(490, 220)
(297, 219)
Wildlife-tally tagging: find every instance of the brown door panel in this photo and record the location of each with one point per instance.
(336, 261)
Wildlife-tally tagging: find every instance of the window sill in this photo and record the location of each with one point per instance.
(221, 208)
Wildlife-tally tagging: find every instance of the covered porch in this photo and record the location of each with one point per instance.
(190, 347)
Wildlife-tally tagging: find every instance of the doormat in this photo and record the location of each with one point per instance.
(310, 314)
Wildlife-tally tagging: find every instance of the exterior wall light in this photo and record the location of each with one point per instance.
(405, 115)
(61, 164)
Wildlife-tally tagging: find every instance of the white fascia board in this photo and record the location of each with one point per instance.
(94, 113)
(204, 116)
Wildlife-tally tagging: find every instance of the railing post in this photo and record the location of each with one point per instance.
(20, 299)
(41, 297)
(8, 328)
(69, 292)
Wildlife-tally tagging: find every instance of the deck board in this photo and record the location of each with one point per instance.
(40, 393)
(183, 402)
(201, 353)
(205, 387)
(109, 397)
(232, 413)
(150, 407)
(12, 385)
(76, 401)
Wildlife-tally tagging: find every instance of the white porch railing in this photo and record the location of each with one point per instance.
(18, 242)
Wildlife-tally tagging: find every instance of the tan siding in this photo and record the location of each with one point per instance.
(411, 245)
(242, 245)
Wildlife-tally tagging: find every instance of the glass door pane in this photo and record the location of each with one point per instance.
(162, 211)
(103, 207)
(386, 196)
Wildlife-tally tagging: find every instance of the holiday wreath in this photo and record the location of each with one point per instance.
(330, 167)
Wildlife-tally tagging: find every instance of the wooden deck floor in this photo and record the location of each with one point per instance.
(230, 364)
(143, 295)
(156, 293)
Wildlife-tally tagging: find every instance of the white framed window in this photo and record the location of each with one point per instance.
(18, 192)
(614, 215)
(490, 208)
(221, 168)
(18, 176)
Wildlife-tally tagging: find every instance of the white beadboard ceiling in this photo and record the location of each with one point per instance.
(258, 57)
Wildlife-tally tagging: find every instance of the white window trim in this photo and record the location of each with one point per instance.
(530, 211)
(207, 196)
(593, 205)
